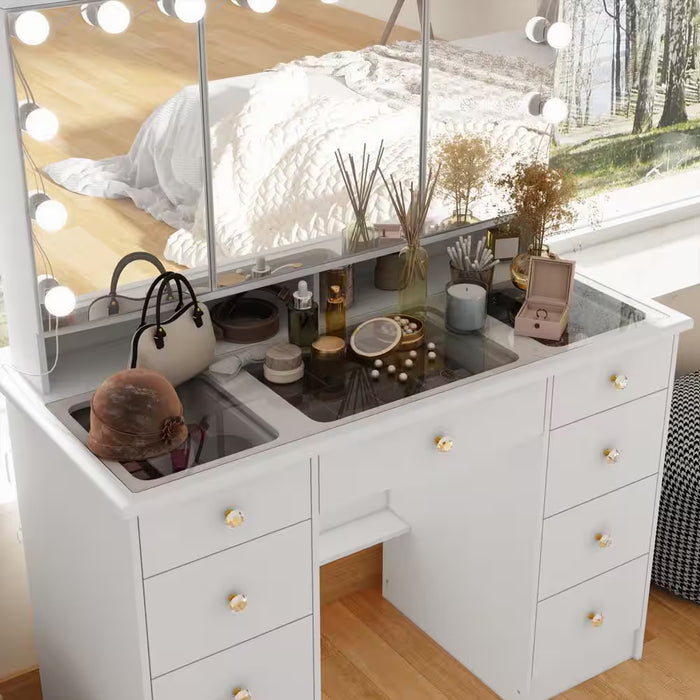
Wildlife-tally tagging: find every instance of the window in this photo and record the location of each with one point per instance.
(631, 78)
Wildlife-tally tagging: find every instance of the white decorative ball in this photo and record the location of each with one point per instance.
(413, 354)
(408, 364)
(432, 356)
(391, 369)
(403, 377)
(378, 364)
(431, 346)
(374, 374)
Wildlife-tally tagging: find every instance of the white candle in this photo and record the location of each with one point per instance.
(466, 307)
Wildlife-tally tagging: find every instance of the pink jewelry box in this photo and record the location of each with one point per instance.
(545, 313)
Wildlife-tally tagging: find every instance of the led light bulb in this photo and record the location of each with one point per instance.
(60, 301)
(31, 27)
(555, 111)
(50, 214)
(260, 6)
(329, 2)
(187, 11)
(536, 30)
(40, 123)
(559, 35)
(113, 16)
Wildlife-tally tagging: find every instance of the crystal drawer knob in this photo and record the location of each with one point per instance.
(234, 518)
(612, 456)
(237, 603)
(620, 381)
(242, 694)
(604, 541)
(444, 444)
(596, 619)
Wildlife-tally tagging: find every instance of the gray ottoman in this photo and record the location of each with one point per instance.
(677, 558)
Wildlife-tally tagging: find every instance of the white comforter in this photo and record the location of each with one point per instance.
(276, 181)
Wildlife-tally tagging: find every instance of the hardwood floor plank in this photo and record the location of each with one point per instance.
(341, 679)
(417, 648)
(387, 669)
(21, 686)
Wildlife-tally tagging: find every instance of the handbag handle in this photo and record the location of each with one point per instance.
(166, 276)
(113, 306)
(197, 313)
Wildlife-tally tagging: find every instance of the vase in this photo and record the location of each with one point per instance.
(520, 267)
(413, 290)
(359, 236)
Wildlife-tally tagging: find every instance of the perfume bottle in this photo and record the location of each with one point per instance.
(302, 317)
(335, 312)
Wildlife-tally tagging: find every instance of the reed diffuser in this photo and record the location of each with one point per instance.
(413, 288)
(359, 183)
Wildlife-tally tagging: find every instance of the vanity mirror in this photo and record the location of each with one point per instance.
(489, 86)
(305, 103)
(110, 112)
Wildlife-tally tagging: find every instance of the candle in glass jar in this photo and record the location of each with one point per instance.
(466, 307)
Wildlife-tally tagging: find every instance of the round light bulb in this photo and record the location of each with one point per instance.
(559, 35)
(535, 29)
(59, 301)
(31, 28)
(51, 215)
(113, 17)
(329, 2)
(555, 111)
(190, 11)
(41, 124)
(260, 6)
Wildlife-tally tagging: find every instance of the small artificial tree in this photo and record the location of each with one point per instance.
(540, 201)
(465, 167)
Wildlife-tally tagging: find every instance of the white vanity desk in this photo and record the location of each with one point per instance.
(525, 551)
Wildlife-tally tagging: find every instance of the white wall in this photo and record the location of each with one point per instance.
(16, 646)
(455, 19)
(687, 301)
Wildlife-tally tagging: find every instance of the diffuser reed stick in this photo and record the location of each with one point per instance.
(359, 183)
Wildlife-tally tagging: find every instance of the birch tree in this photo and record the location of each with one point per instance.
(679, 23)
(649, 13)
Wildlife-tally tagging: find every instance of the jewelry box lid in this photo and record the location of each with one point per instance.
(551, 280)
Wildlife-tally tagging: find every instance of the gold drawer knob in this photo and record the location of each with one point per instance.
(596, 619)
(604, 541)
(234, 518)
(612, 456)
(620, 381)
(237, 603)
(444, 443)
(242, 694)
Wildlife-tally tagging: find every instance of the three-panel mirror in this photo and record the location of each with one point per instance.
(310, 106)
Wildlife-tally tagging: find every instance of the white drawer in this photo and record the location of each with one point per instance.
(590, 389)
(277, 665)
(195, 530)
(187, 609)
(579, 469)
(570, 552)
(405, 450)
(568, 648)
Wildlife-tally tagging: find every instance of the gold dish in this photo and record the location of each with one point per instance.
(416, 339)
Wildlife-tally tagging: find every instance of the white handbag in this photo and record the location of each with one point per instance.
(181, 346)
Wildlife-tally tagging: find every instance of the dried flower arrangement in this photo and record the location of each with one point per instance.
(466, 166)
(359, 188)
(412, 219)
(540, 200)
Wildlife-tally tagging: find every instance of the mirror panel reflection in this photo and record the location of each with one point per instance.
(489, 84)
(112, 135)
(291, 90)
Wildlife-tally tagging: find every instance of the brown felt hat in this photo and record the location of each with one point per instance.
(135, 415)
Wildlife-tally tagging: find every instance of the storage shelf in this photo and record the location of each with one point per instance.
(344, 540)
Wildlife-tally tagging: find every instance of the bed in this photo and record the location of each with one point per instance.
(274, 134)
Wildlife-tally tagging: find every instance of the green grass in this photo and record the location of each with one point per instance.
(611, 162)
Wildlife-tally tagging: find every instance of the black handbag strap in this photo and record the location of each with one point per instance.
(197, 312)
(164, 277)
(113, 306)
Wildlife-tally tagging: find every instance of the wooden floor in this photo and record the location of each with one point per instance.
(371, 652)
(102, 88)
